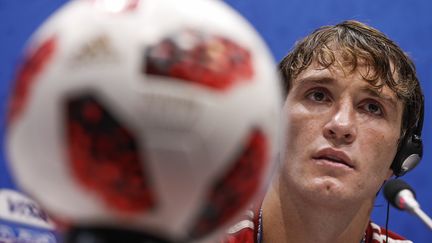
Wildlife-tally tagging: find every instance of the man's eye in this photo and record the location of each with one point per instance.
(317, 95)
(373, 108)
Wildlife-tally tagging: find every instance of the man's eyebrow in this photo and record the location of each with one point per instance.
(316, 79)
(377, 94)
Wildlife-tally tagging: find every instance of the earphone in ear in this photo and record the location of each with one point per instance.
(408, 156)
(411, 149)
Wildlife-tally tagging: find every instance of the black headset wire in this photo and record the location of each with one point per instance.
(387, 220)
(388, 216)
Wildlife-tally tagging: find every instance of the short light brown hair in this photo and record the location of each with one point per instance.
(358, 44)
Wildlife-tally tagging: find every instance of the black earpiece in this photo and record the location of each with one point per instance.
(410, 150)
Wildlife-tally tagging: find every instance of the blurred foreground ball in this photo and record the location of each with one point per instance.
(154, 115)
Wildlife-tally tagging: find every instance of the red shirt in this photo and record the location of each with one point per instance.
(246, 231)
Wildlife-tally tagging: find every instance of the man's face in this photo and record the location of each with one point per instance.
(342, 134)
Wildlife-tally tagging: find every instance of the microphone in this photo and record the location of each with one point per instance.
(402, 196)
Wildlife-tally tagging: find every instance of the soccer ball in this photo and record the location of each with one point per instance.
(154, 115)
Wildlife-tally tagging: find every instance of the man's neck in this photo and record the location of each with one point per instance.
(286, 218)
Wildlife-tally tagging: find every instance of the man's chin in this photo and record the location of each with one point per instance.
(326, 190)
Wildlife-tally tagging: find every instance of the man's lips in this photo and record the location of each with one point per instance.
(334, 156)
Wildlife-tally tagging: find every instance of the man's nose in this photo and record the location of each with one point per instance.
(341, 128)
